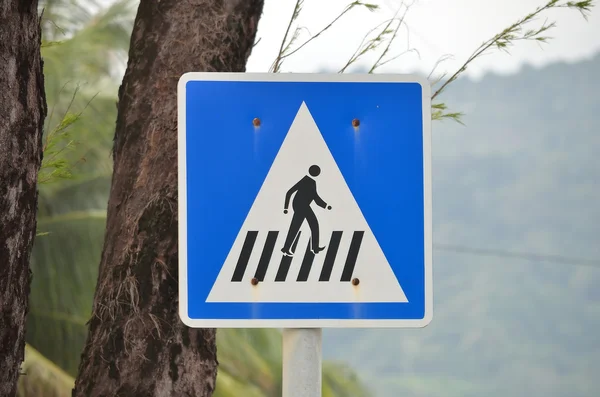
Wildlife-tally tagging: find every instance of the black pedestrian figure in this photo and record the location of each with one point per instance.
(306, 193)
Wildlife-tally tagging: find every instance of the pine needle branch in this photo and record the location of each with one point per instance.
(401, 22)
(277, 63)
(54, 166)
(367, 45)
(285, 48)
(438, 112)
(514, 32)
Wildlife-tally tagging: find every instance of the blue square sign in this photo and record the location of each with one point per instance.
(304, 200)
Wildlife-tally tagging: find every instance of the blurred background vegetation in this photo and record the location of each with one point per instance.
(522, 177)
(516, 226)
(84, 49)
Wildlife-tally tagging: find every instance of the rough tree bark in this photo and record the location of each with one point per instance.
(22, 114)
(137, 345)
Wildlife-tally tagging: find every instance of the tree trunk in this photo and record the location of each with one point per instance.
(137, 345)
(22, 114)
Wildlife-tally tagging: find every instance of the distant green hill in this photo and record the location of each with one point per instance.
(523, 175)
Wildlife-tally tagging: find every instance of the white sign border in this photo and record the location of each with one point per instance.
(182, 201)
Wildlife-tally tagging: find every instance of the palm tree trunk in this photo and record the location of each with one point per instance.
(22, 114)
(137, 345)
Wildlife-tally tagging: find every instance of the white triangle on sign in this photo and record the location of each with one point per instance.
(266, 225)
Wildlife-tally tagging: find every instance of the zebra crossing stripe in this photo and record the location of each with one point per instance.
(307, 262)
(265, 257)
(352, 255)
(286, 262)
(334, 244)
(242, 262)
(307, 259)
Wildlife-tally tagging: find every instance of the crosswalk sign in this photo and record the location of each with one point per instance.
(304, 200)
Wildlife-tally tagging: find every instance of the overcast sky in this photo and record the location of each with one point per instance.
(434, 27)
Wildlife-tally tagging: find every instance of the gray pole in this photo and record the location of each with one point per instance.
(302, 362)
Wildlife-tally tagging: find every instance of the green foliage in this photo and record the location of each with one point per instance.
(74, 180)
(55, 165)
(439, 113)
(79, 49)
(65, 266)
(42, 378)
(340, 380)
(256, 363)
(72, 209)
(81, 41)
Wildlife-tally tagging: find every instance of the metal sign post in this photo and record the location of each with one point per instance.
(302, 362)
